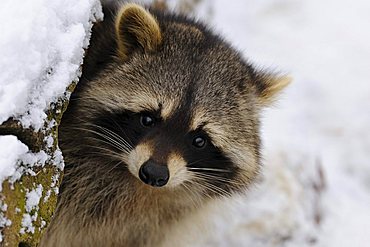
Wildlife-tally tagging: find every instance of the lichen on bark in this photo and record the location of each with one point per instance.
(48, 175)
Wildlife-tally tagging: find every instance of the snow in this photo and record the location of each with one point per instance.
(16, 160)
(27, 225)
(23, 163)
(32, 204)
(11, 149)
(321, 120)
(3, 223)
(41, 49)
(33, 198)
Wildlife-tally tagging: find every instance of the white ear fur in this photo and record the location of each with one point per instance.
(273, 85)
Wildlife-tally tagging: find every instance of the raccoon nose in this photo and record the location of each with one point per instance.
(154, 174)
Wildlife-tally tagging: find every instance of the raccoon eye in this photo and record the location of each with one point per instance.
(199, 142)
(146, 120)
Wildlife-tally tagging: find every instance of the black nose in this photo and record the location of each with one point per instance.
(154, 174)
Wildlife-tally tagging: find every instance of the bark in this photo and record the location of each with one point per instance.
(13, 195)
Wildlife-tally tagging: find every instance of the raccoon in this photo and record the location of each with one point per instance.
(165, 118)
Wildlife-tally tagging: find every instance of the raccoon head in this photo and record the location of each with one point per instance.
(178, 107)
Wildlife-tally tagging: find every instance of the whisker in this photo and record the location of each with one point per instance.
(208, 169)
(108, 143)
(202, 186)
(122, 130)
(107, 151)
(192, 196)
(114, 166)
(197, 161)
(105, 155)
(113, 134)
(118, 140)
(206, 187)
(105, 142)
(120, 145)
(214, 187)
(219, 178)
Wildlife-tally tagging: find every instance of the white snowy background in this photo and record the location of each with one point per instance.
(315, 189)
(322, 120)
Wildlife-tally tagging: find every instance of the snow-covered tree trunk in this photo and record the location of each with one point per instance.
(28, 200)
(41, 51)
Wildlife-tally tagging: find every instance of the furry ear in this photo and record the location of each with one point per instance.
(136, 28)
(270, 86)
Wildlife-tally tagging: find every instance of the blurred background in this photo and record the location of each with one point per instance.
(315, 185)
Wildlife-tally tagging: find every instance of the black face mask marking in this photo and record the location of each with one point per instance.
(126, 126)
(126, 129)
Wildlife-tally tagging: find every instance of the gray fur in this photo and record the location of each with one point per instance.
(196, 75)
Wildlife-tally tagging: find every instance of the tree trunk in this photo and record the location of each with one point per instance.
(44, 179)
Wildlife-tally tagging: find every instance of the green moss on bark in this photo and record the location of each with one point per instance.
(49, 176)
(14, 196)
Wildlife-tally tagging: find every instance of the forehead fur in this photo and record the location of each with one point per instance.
(189, 59)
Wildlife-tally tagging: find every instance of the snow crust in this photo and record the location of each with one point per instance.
(32, 204)
(15, 161)
(11, 149)
(33, 198)
(41, 49)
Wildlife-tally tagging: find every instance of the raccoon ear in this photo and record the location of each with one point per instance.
(136, 28)
(270, 86)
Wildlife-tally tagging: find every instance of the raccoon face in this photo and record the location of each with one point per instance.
(178, 107)
(165, 152)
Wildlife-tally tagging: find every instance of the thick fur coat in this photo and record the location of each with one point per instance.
(162, 91)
